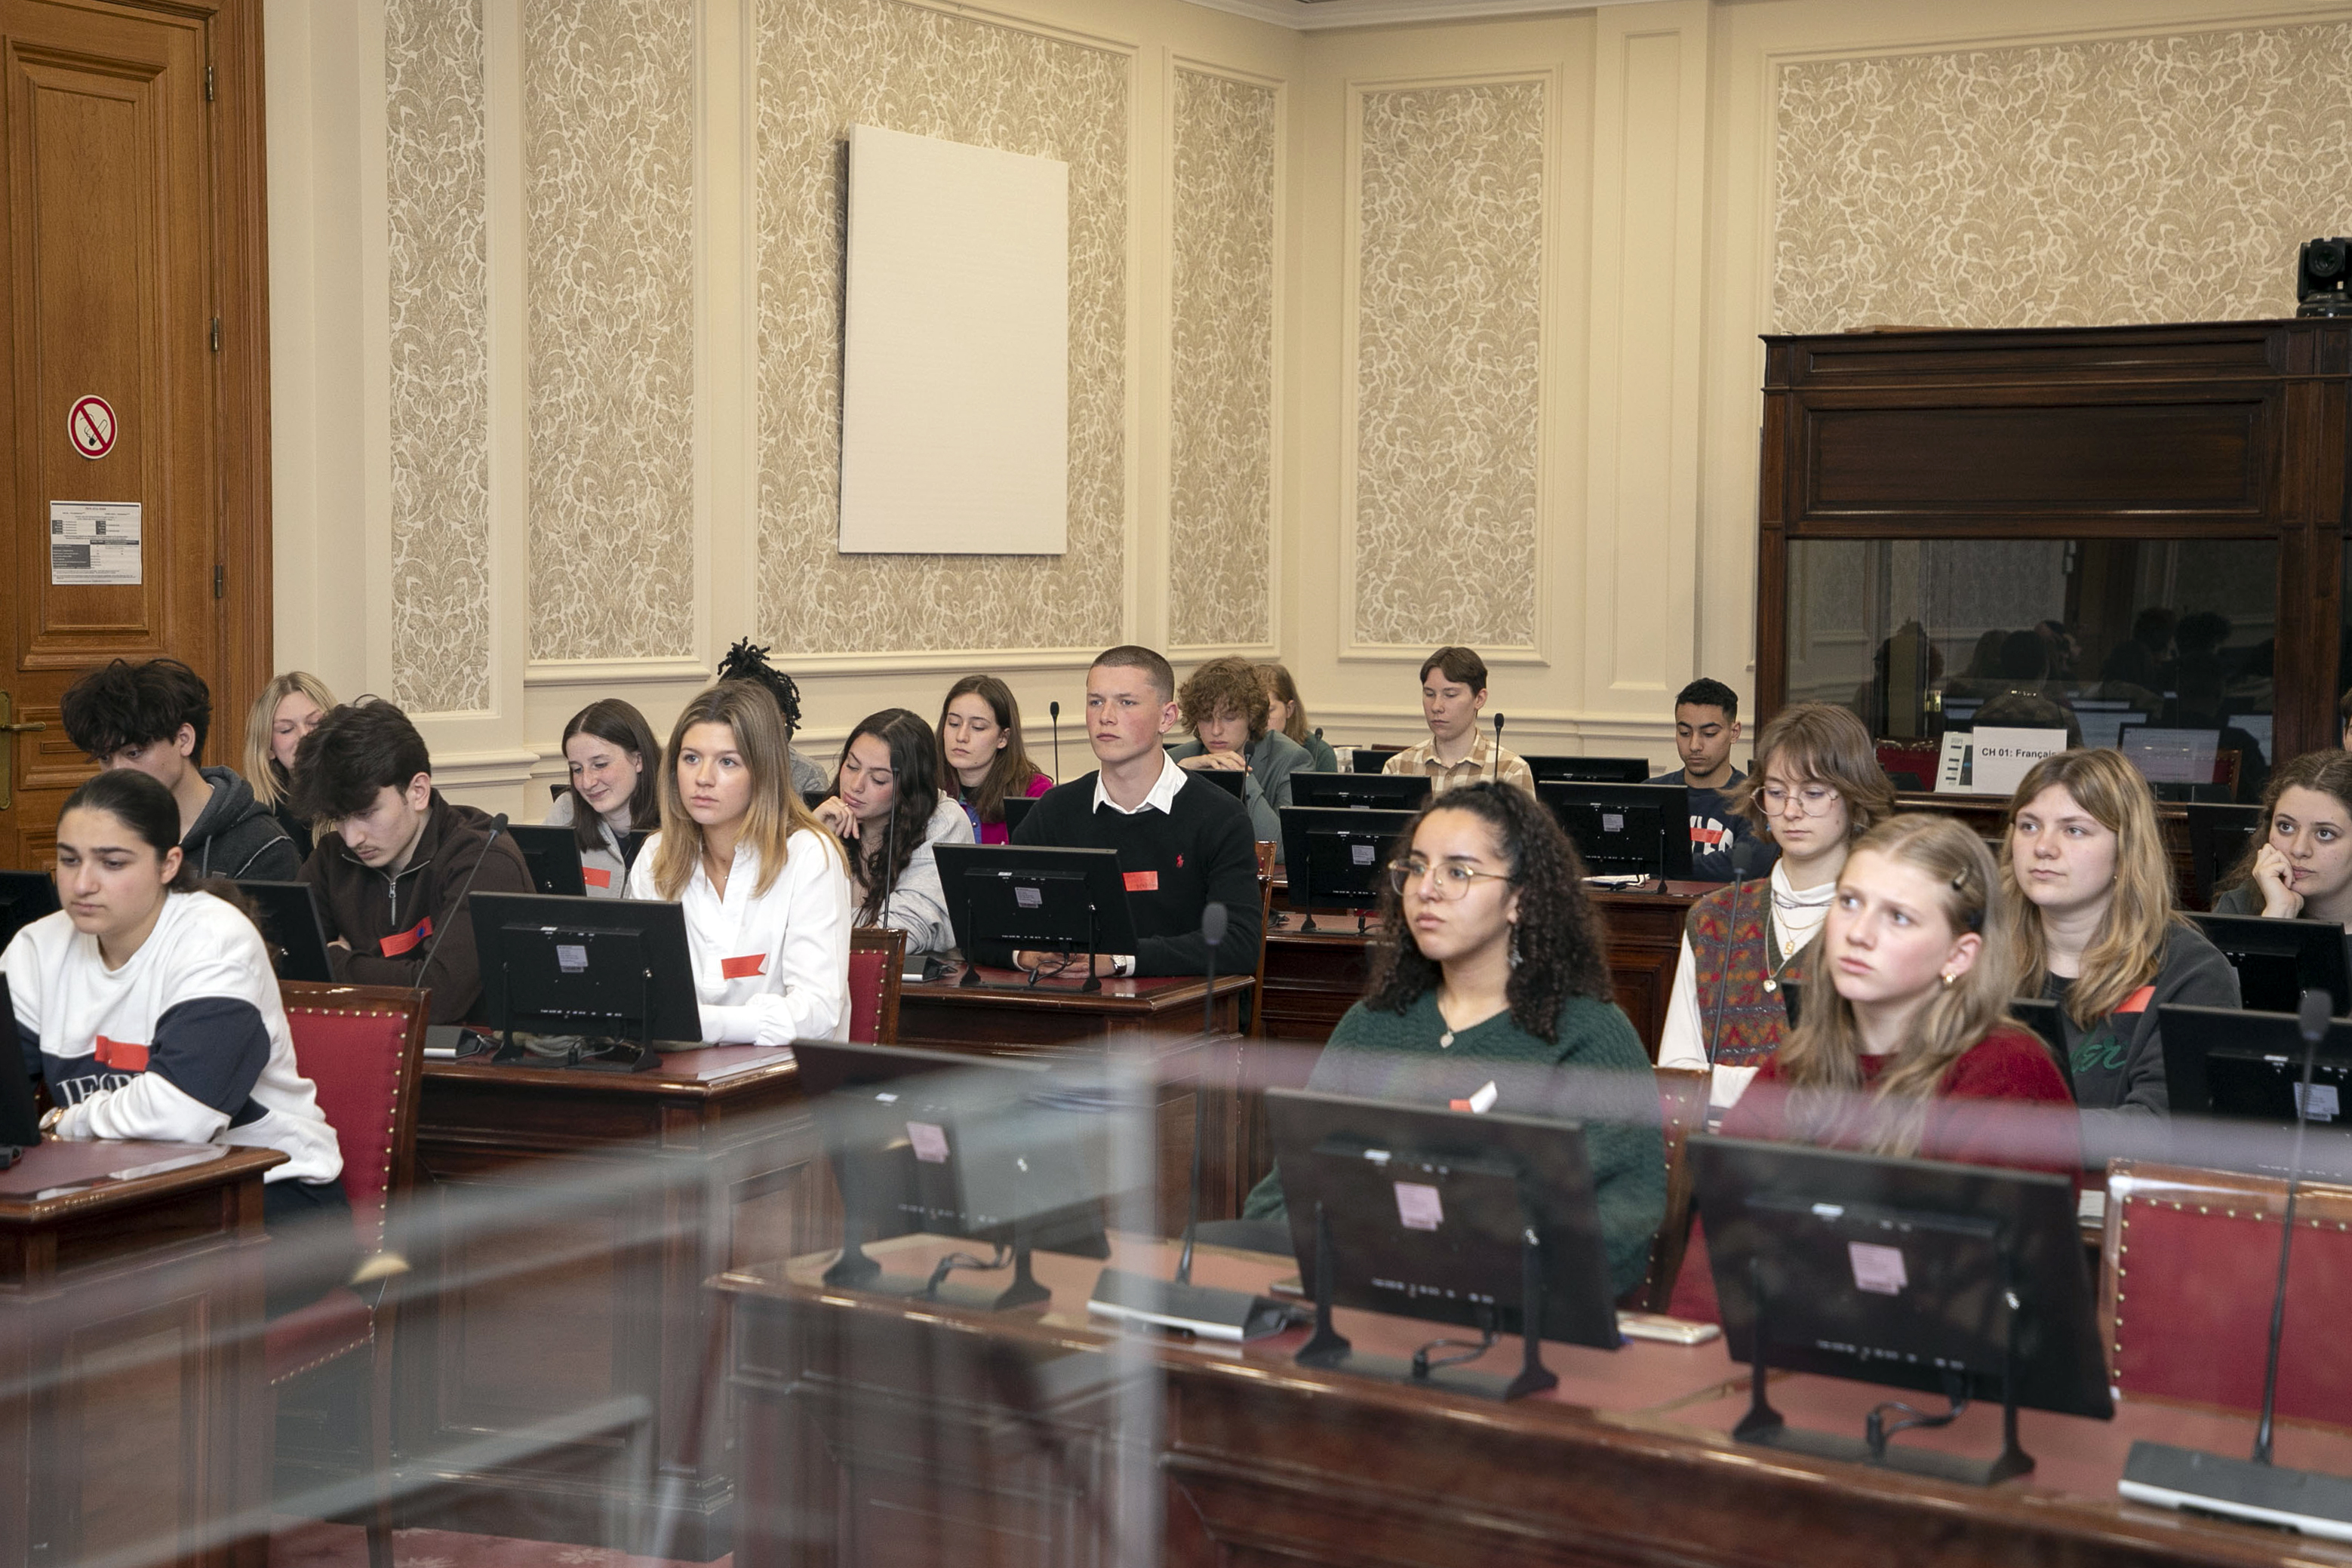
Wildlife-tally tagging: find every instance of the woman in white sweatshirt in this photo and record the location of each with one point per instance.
(149, 1008)
(765, 889)
(888, 809)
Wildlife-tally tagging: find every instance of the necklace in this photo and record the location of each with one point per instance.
(1445, 1040)
(1772, 969)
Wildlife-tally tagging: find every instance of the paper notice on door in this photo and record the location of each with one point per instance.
(94, 543)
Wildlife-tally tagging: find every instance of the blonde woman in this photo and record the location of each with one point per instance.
(765, 888)
(288, 708)
(1815, 789)
(2088, 889)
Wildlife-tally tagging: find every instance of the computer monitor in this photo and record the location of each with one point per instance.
(1371, 791)
(1370, 758)
(1041, 897)
(615, 971)
(2166, 756)
(1589, 770)
(24, 897)
(20, 1113)
(2102, 720)
(552, 853)
(1017, 809)
(1230, 780)
(990, 1149)
(1626, 830)
(286, 914)
(1960, 713)
(2244, 1069)
(2278, 960)
(1962, 1280)
(2040, 1015)
(1446, 1217)
(1337, 856)
(2218, 833)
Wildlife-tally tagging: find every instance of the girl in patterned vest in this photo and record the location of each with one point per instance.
(1815, 788)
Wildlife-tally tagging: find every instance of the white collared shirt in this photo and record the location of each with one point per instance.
(1163, 797)
(790, 946)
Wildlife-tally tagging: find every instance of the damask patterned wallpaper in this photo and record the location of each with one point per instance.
(440, 354)
(1449, 331)
(824, 65)
(1221, 372)
(608, 88)
(2120, 180)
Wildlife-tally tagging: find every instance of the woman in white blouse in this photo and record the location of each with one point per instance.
(887, 808)
(765, 892)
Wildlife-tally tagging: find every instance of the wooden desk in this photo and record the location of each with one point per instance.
(562, 1226)
(877, 1432)
(134, 1399)
(1055, 1012)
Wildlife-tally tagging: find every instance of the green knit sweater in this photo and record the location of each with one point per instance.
(1388, 1056)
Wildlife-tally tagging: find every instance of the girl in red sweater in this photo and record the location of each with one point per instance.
(1913, 1053)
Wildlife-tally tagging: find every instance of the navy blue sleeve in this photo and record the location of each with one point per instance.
(211, 1050)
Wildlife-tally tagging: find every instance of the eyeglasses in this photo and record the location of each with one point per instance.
(1449, 878)
(1814, 798)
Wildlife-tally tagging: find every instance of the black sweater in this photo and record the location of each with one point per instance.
(1199, 850)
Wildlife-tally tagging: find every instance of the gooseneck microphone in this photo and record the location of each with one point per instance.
(2312, 1023)
(1498, 768)
(1723, 975)
(497, 826)
(1054, 711)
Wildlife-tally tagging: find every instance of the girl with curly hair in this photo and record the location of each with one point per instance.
(747, 660)
(1489, 991)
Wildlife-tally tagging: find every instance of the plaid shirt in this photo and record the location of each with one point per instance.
(1486, 761)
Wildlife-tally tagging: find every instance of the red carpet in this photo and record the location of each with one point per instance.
(307, 1543)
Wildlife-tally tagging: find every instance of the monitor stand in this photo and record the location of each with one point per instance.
(854, 1270)
(1329, 1350)
(1764, 1427)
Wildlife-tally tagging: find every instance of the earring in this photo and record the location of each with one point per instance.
(1515, 944)
(1948, 979)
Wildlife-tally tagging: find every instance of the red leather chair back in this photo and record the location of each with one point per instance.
(363, 1046)
(2189, 1262)
(878, 955)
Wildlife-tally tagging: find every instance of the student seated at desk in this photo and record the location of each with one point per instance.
(765, 889)
(614, 791)
(1453, 695)
(153, 717)
(1181, 841)
(1724, 845)
(2088, 888)
(1288, 714)
(888, 813)
(288, 708)
(394, 859)
(982, 763)
(1225, 705)
(148, 1007)
(2299, 867)
(1908, 1048)
(747, 661)
(1489, 991)
(1816, 789)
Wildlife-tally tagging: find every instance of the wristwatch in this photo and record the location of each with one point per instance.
(50, 1118)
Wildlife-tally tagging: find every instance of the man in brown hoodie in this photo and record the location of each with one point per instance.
(393, 858)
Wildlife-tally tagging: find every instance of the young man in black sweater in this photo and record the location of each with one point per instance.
(1707, 726)
(1182, 842)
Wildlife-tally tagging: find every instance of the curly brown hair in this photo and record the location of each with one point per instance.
(1221, 686)
(1562, 951)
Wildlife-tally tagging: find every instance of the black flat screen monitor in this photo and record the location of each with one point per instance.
(1895, 1271)
(1337, 858)
(1370, 758)
(1372, 792)
(1230, 780)
(553, 855)
(2278, 960)
(1017, 809)
(1038, 897)
(1427, 1209)
(2042, 1016)
(24, 897)
(20, 1113)
(288, 915)
(1589, 770)
(2242, 1072)
(1626, 830)
(2168, 756)
(604, 968)
(2218, 835)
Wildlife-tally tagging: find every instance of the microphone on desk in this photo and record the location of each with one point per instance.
(2255, 1489)
(1231, 1315)
(1054, 711)
(1498, 768)
(456, 1037)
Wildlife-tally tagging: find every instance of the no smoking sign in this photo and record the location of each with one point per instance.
(90, 426)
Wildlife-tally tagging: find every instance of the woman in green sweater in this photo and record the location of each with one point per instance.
(1489, 989)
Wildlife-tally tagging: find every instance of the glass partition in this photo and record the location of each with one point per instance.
(2163, 648)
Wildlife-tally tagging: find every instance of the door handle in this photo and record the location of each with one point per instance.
(9, 729)
(21, 729)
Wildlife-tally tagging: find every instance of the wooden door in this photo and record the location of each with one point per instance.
(120, 255)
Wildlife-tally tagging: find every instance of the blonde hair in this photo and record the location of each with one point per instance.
(1818, 741)
(749, 710)
(262, 769)
(2127, 949)
(1821, 1059)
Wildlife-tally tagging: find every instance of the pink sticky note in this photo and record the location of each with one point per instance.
(1418, 1207)
(1879, 1270)
(931, 1143)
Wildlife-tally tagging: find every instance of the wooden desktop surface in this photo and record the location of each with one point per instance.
(887, 1431)
(1006, 1009)
(134, 1400)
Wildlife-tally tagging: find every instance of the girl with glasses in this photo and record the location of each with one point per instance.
(1815, 788)
(1489, 991)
